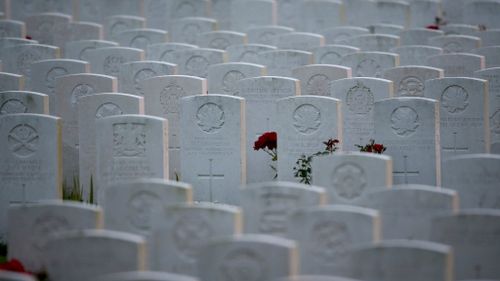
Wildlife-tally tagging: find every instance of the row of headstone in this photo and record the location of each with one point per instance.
(184, 238)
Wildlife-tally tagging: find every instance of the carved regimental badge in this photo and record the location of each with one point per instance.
(170, 97)
(455, 99)
(411, 86)
(129, 140)
(210, 117)
(317, 85)
(359, 99)
(80, 91)
(349, 181)
(243, 265)
(229, 81)
(142, 75)
(197, 66)
(140, 209)
(108, 109)
(306, 119)
(368, 68)
(12, 106)
(190, 233)
(329, 238)
(404, 121)
(23, 140)
(50, 79)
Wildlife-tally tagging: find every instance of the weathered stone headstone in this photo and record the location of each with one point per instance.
(281, 62)
(21, 58)
(489, 37)
(130, 147)
(221, 39)
(481, 13)
(114, 25)
(474, 236)
(347, 176)
(464, 114)
(358, 96)
(154, 13)
(303, 124)
(393, 260)
(319, 15)
(45, 73)
(21, 10)
(99, 252)
(90, 108)
(267, 206)
(416, 54)
(493, 77)
(407, 210)
(11, 82)
(455, 43)
(325, 232)
(183, 229)
(260, 94)
(48, 28)
(491, 55)
(83, 31)
(141, 38)
(189, 8)
(222, 78)
(409, 128)
(265, 34)
(332, 54)
(212, 141)
(369, 64)
(6, 42)
(186, 30)
(12, 28)
(460, 29)
(31, 166)
(68, 90)
(162, 95)
(360, 12)
(334, 35)
(252, 13)
(132, 74)
(12, 102)
(78, 49)
(393, 12)
(418, 36)
(372, 42)
(108, 60)
(475, 177)
(457, 65)
(165, 51)
(386, 28)
(410, 80)
(315, 78)
(195, 62)
(424, 12)
(32, 225)
(247, 52)
(252, 257)
(303, 41)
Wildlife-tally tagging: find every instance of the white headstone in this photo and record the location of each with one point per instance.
(130, 147)
(358, 96)
(165, 51)
(12, 102)
(409, 128)
(410, 80)
(315, 78)
(99, 252)
(369, 64)
(325, 232)
(407, 210)
(418, 36)
(212, 138)
(474, 236)
(372, 42)
(251, 257)
(32, 225)
(361, 12)
(267, 206)
(489, 37)
(493, 77)
(464, 114)
(78, 49)
(48, 28)
(31, 166)
(260, 94)
(11, 82)
(387, 28)
(475, 177)
(252, 13)
(222, 78)
(45, 73)
(334, 35)
(455, 43)
(416, 54)
(265, 34)
(303, 124)
(460, 29)
(247, 52)
(281, 62)
(393, 12)
(114, 25)
(195, 62)
(332, 54)
(83, 31)
(141, 38)
(90, 108)
(457, 65)
(482, 12)
(221, 39)
(320, 14)
(132, 74)
(303, 41)
(183, 229)
(186, 30)
(12, 28)
(347, 176)
(108, 60)
(163, 97)
(424, 12)
(491, 55)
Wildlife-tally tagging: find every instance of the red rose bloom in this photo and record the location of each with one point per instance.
(378, 148)
(432, 26)
(13, 265)
(267, 140)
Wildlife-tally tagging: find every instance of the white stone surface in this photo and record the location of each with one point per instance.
(418, 36)
(48, 28)
(369, 64)
(493, 77)
(12, 102)
(416, 54)
(78, 49)
(332, 54)
(303, 41)
(457, 65)
(195, 62)
(165, 51)
(315, 78)
(247, 52)
(252, 13)
(334, 35)
(410, 80)
(281, 62)
(222, 78)
(108, 60)
(265, 34)
(141, 38)
(11, 82)
(455, 43)
(185, 30)
(132, 74)
(372, 42)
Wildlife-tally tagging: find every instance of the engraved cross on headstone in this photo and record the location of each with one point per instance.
(406, 172)
(210, 176)
(455, 148)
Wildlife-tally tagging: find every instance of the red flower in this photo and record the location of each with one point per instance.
(13, 265)
(28, 37)
(432, 26)
(378, 148)
(267, 140)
